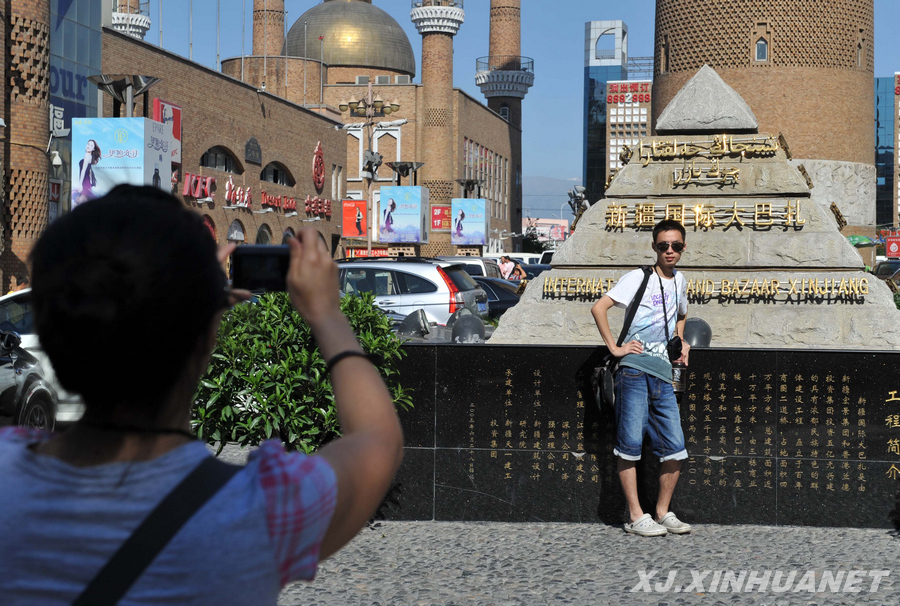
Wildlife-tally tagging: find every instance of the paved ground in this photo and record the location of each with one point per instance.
(505, 564)
(494, 564)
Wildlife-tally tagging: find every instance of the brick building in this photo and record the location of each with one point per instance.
(232, 131)
(805, 68)
(337, 48)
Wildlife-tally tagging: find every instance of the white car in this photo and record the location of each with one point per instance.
(16, 315)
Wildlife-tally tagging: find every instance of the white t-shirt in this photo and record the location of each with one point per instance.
(647, 326)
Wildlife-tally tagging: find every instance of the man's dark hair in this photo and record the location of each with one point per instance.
(668, 225)
(123, 288)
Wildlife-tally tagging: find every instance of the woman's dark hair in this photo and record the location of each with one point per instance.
(123, 288)
(96, 153)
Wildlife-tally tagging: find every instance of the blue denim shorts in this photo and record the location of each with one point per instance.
(646, 405)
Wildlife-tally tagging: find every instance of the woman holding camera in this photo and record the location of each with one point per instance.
(129, 319)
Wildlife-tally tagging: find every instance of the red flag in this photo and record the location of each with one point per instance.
(321, 37)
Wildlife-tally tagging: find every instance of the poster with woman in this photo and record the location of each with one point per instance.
(403, 215)
(469, 221)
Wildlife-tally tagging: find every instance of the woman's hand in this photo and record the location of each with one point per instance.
(312, 282)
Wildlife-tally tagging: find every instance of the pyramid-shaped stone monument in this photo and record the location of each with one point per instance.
(766, 266)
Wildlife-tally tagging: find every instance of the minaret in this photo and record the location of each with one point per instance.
(128, 19)
(438, 23)
(268, 27)
(505, 77)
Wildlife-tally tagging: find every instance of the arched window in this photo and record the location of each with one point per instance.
(220, 158)
(275, 172)
(762, 50)
(211, 226)
(236, 232)
(287, 235)
(504, 112)
(264, 235)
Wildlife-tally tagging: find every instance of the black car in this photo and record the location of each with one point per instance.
(532, 270)
(501, 294)
(25, 396)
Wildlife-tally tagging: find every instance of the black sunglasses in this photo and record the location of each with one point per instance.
(664, 246)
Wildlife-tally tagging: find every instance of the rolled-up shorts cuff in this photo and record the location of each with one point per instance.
(628, 457)
(678, 456)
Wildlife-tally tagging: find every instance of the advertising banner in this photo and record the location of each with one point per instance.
(169, 113)
(892, 247)
(441, 217)
(354, 218)
(111, 151)
(403, 214)
(469, 225)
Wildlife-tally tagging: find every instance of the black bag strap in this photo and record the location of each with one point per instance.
(632, 307)
(141, 548)
(662, 293)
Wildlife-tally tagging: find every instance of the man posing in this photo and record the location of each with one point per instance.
(645, 400)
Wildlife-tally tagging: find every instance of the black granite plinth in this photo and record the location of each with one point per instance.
(511, 433)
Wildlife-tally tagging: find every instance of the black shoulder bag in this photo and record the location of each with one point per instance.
(141, 548)
(603, 377)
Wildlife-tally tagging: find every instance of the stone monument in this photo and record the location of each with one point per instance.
(767, 267)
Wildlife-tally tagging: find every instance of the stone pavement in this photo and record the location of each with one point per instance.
(500, 564)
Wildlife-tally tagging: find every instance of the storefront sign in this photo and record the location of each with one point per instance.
(55, 198)
(318, 168)
(253, 152)
(354, 218)
(317, 206)
(198, 186)
(469, 227)
(277, 201)
(58, 122)
(237, 197)
(441, 217)
(170, 114)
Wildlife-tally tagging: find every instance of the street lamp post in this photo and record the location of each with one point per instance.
(368, 106)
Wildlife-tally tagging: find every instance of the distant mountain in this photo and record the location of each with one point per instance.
(543, 197)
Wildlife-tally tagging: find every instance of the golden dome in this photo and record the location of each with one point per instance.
(356, 33)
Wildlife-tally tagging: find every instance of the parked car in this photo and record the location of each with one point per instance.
(523, 258)
(885, 269)
(405, 284)
(502, 294)
(546, 257)
(25, 395)
(477, 266)
(16, 316)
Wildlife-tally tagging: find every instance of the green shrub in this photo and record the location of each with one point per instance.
(266, 377)
(897, 299)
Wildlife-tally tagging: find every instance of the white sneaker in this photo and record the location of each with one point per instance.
(645, 526)
(672, 524)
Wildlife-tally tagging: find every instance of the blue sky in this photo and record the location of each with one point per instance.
(552, 34)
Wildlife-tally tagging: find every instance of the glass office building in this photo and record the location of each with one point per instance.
(605, 60)
(885, 118)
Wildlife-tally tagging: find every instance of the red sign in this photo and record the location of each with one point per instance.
(55, 189)
(892, 247)
(235, 196)
(441, 217)
(317, 206)
(277, 201)
(318, 168)
(362, 252)
(354, 218)
(196, 186)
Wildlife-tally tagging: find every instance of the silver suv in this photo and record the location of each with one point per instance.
(404, 284)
